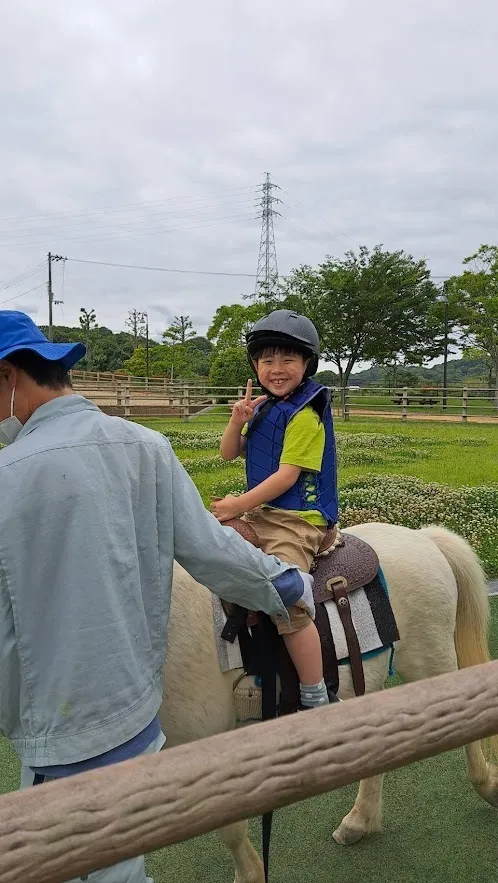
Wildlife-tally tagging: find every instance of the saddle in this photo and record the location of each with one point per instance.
(343, 564)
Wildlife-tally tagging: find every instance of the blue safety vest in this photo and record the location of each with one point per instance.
(265, 441)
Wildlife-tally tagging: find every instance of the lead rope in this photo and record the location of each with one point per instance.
(269, 657)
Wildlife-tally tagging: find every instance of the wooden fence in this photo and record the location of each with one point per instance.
(129, 396)
(67, 828)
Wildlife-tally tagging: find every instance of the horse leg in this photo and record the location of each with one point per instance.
(482, 775)
(198, 698)
(366, 814)
(247, 863)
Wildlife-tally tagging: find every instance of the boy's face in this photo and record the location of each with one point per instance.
(281, 373)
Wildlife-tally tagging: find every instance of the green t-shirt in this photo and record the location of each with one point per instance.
(304, 445)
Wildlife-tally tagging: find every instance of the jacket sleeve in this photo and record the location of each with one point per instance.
(9, 662)
(216, 556)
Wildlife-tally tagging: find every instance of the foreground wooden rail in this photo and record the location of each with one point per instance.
(68, 828)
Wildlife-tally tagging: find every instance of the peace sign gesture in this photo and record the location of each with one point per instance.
(243, 410)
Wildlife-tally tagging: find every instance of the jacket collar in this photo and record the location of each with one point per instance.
(58, 407)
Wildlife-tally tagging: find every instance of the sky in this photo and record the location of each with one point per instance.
(140, 133)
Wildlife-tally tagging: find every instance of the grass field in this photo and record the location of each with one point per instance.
(436, 828)
(407, 473)
(476, 406)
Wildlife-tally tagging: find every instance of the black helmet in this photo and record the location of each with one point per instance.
(286, 328)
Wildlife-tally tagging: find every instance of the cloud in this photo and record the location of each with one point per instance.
(137, 133)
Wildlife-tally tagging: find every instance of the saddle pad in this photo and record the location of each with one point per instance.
(371, 613)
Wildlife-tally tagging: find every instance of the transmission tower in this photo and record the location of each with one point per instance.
(267, 272)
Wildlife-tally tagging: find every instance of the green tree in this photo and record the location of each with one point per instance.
(474, 295)
(367, 306)
(230, 367)
(327, 378)
(199, 351)
(177, 362)
(398, 377)
(232, 322)
(477, 355)
(88, 322)
(179, 331)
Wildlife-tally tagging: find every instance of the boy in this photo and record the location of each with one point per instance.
(287, 438)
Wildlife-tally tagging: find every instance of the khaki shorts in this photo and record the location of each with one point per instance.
(293, 540)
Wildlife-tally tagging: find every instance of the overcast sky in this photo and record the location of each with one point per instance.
(138, 132)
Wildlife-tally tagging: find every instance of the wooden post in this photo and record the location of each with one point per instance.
(346, 403)
(465, 402)
(186, 402)
(118, 393)
(127, 410)
(404, 406)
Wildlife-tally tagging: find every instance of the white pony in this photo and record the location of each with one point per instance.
(438, 593)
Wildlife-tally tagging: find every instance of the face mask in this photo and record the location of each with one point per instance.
(11, 426)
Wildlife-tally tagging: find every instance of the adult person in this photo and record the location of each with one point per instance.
(94, 511)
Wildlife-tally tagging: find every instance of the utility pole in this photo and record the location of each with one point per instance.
(51, 257)
(146, 344)
(267, 272)
(445, 359)
(443, 298)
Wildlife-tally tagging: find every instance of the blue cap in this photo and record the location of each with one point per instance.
(19, 332)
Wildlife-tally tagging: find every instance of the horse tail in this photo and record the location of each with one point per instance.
(473, 612)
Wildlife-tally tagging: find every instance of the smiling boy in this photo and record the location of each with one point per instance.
(287, 438)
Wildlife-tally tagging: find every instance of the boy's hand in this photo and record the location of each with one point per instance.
(243, 410)
(227, 508)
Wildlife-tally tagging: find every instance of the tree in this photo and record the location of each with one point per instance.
(370, 306)
(230, 367)
(474, 294)
(327, 378)
(88, 322)
(183, 361)
(179, 331)
(199, 351)
(137, 325)
(476, 354)
(398, 377)
(231, 323)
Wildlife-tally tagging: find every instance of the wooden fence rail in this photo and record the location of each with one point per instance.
(66, 829)
(133, 396)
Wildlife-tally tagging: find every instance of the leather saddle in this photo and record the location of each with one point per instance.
(343, 564)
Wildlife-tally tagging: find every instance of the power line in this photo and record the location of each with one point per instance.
(17, 296)
(120, 207)
(134, 232)
(317, 215)
(160, 269)
(181, 214)
(22, 276)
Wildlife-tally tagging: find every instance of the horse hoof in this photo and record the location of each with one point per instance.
(346, 836)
